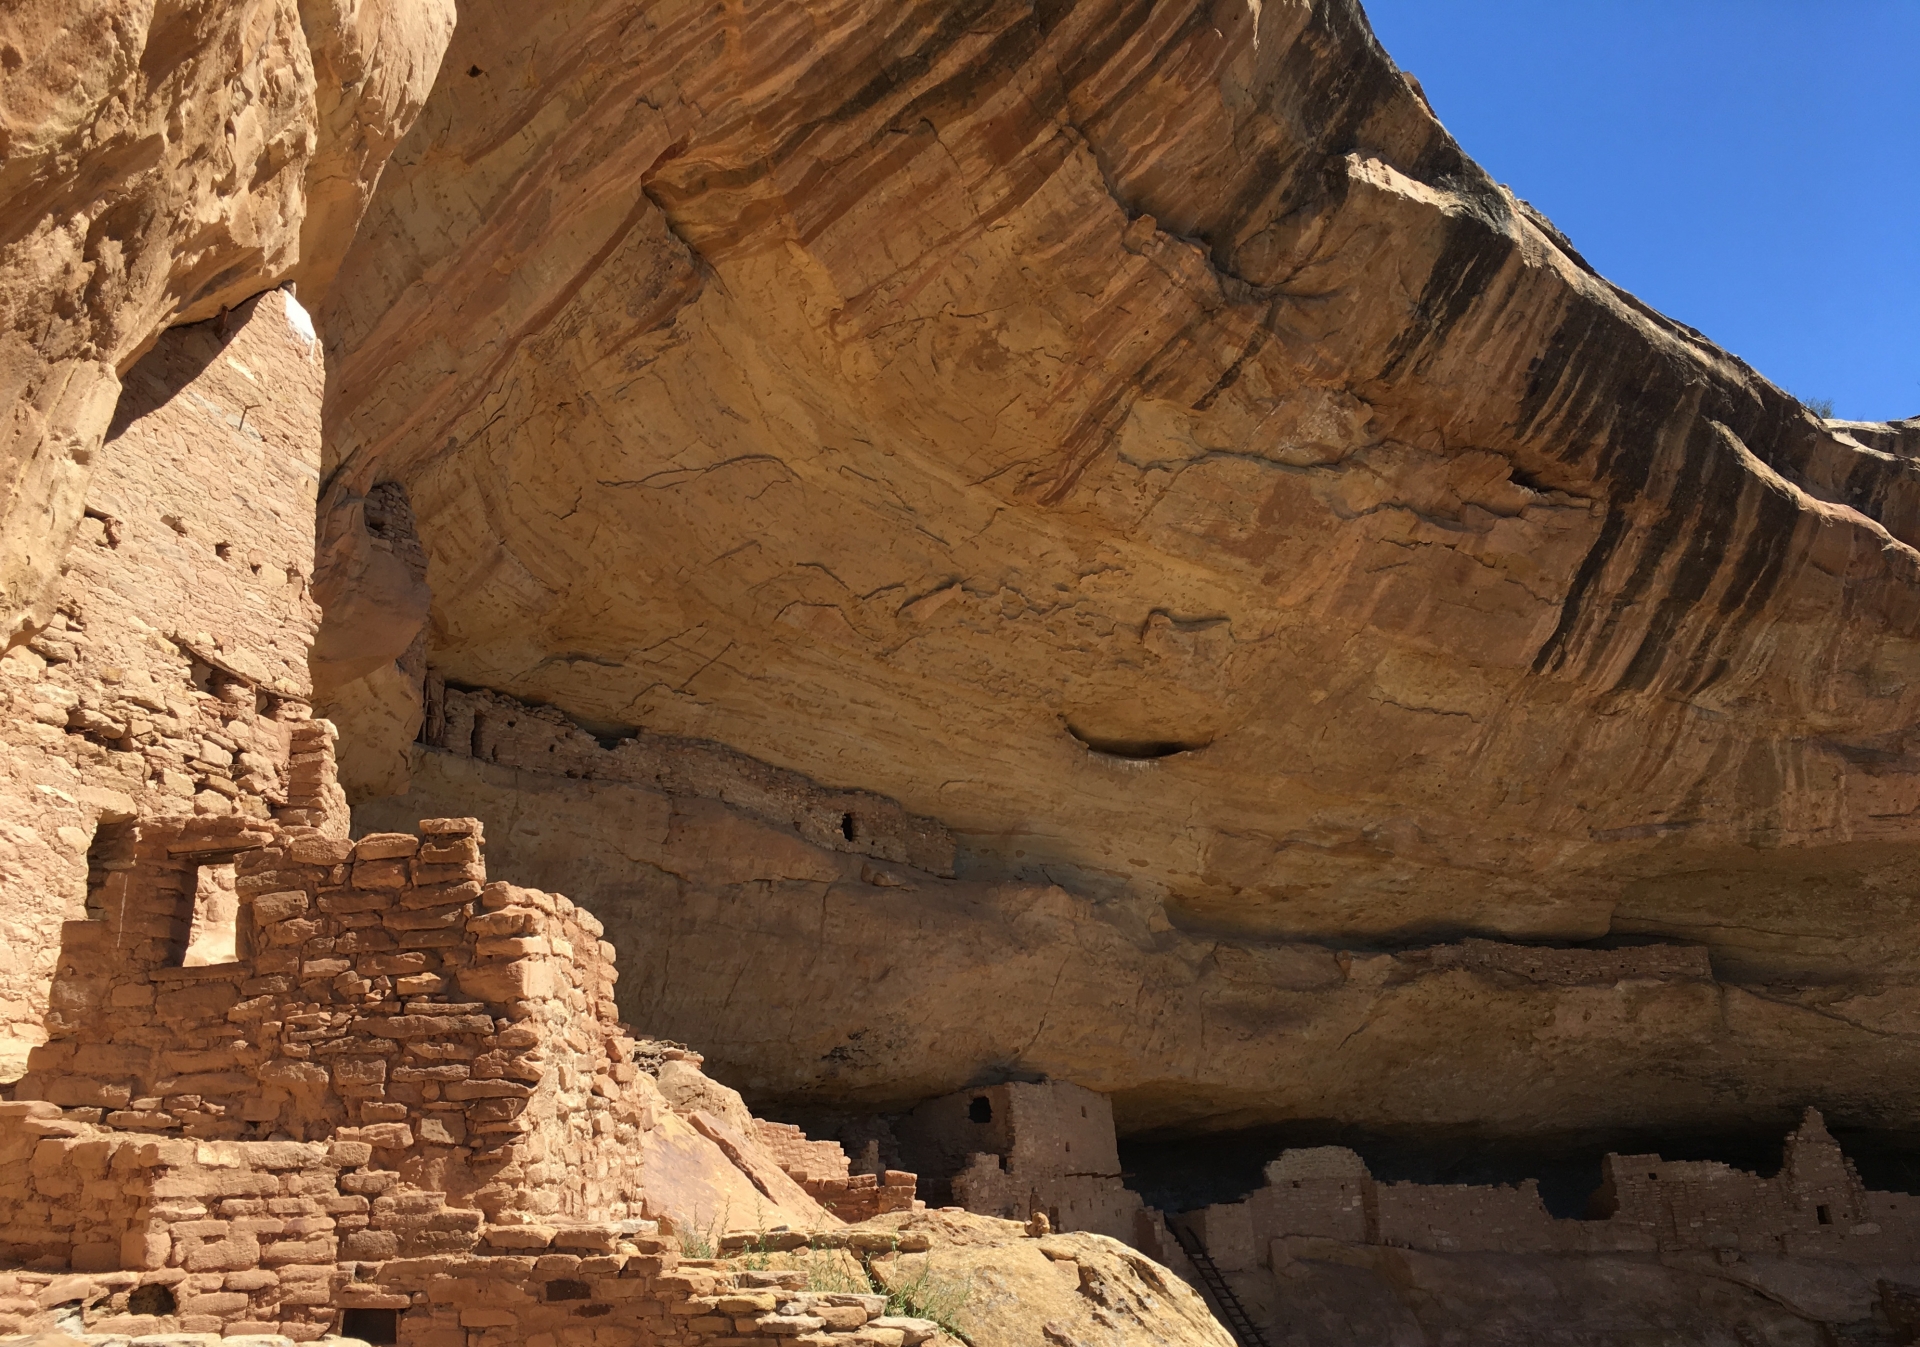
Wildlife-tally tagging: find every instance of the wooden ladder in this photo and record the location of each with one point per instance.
(1232, 1313)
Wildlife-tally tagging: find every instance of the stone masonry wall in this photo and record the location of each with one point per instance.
(642, 1295)
(172, 679)
(1571, 967)
(403, 1092)
(822, 1169)
(1816, 1207)
(386, 994)
(1047, 1148)
(635, 1291)
(242, 1236)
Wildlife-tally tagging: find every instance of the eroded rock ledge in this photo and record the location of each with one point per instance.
(814, 977)
(489, 727)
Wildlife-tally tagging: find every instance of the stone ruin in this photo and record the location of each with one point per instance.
(1466, 503)
(1048, 1148)
(491, 727)
(279, 1081)
(1816, 1207)
(824, 1171)
(403, 1108)
(1020, 1148)
(1046, 1152)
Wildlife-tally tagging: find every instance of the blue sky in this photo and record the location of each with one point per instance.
(1750, 167)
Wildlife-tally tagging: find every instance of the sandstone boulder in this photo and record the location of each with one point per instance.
(1000, 1287)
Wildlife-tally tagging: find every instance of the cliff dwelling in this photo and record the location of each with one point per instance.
(853, 675)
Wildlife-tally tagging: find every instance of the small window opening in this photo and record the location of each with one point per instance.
(1069, 1148)
(380, 1327)
(1083, 1110)
(224, 551)
(151, 1300)
(200, 672)
(109, 859)
(109, 527)
(846, 826)
(1654, 1177)
(562, 1288)
(1053, 1217)
(1823, 1214)
(233, 691)
(214, 937)
(980, 1110)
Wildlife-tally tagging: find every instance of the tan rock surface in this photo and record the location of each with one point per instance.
(971, 406)
(814, 976)
(1061, 1291)
(159, 164)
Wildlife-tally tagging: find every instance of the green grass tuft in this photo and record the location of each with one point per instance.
(931, 1295)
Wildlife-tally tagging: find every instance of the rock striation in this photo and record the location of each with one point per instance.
(281, 1084)
(1140, 439)
(877, 985)
(1141, 442)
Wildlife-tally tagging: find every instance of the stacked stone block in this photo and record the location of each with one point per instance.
(1572, 967)
(822, 1169)
(241, 1237)
(1816, 1207)
(172, 679)
(1020, 1149)
(401, 1059)
(640, 1293)
(1462, 1217)
(637, 1293)
(314, 798)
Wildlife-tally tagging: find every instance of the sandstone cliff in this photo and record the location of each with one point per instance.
(1139, 438)
(158, 165)
(1139, 441)
(812, 975)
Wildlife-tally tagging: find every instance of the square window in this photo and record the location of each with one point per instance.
(380, 1327)
(214, 936)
